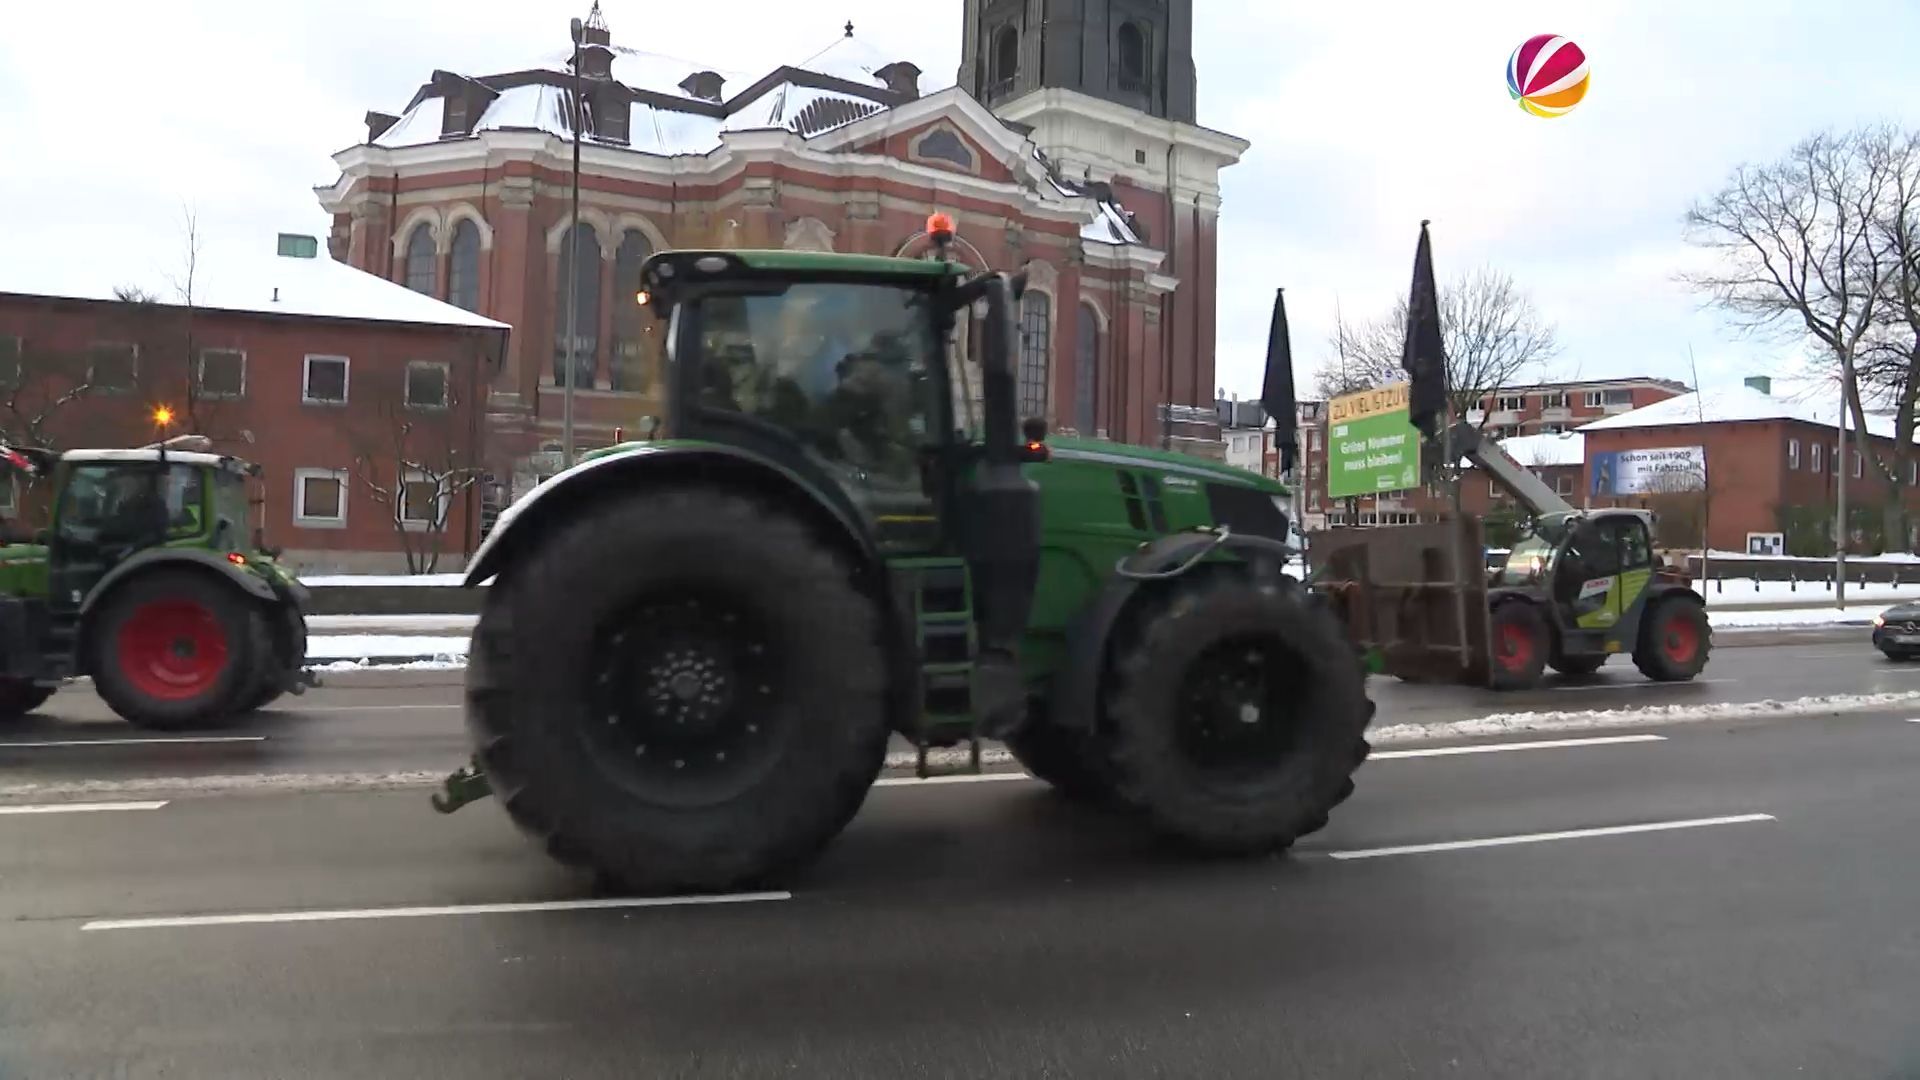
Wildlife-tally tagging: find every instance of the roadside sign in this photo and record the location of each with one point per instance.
(1371, 444)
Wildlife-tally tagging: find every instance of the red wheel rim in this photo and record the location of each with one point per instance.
(1680, 639)
(1516, 647)
(172, 649)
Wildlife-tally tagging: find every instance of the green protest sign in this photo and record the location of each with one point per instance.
(1371, 445)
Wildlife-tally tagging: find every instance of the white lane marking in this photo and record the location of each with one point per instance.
(165, 922)
(1647, 684)
(1913, 719)
(132, 742)
(80, 807)
(1537, 838)
(295, 707)
(1497, 748)
(964, 778)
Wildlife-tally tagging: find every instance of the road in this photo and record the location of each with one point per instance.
(1496, 913)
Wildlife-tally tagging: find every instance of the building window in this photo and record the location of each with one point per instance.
(1130, 50)
(1006, 57)
(426, 385)
(112, 367)
(9, 494)
(1856, 464)
(1913, 472)
(420, 259)
(1493, 489)
(463, 267)
(1555, 400)
(11, 349)
(1793, 453)
(1563, 485)
(1553, 429)
(453, 116)
(1814, 461)
(611, 118)
(320, 498)
(422, 505)
(222, 373)
(943, 145)
(1035, 343)
(1086, 373)
(584, 248)
(634, 331)
(1595, 399)
(324, 382)
(1515, 402)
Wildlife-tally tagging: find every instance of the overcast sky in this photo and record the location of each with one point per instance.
(1363, 121)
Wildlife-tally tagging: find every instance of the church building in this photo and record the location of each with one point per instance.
(1068, 146)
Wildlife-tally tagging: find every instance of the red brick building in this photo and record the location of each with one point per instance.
(361, 400)
(1084, 165)
(1770, 466)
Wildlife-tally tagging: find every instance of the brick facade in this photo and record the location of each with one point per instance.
(264, 415)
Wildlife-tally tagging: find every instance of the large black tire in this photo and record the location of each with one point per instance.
(19, 697)
(1674, 640)
(1517, 646)
(1585, 664)
(1236, 713)
(1071, 761)
(658, 608)
(279, 662)
(173, 650)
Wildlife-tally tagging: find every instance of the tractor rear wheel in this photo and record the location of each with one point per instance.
(18, 697)
(1517, 649)
(176, 649)
(681, 689)
(1236, 714)
(1674, 640)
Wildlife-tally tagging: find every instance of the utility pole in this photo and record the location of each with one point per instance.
(1844, 465)
(573, 264)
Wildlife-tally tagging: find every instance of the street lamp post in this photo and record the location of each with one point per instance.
(573, 264)
(1843, 466)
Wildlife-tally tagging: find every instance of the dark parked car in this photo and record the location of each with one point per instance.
(1896, 631)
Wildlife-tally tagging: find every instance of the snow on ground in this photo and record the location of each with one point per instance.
(1589, 719)
(334, 581)
(373, 624)
(1764, 618)
(1741, 591)
(1892, 557)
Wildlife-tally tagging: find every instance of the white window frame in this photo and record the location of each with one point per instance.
(1563, 485)
(10, 494)
(1590, 399)
(402, 504)
(1857, 469)
(1510, 403)
(1793, 453)
(133, 374)
(446, 385)
(200, 374)
(19, 359)
(304, 520)
(1493, 489)
(306, 380)
(1813, 461)
(1555, 400)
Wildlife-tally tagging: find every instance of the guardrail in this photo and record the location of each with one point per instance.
(1814, 573)
(394, 600)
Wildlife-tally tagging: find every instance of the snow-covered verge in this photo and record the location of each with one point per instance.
(1644, 716)
(374, 624)
(424, 581)
(1746, 592)
(366, 648)
(1742, 619)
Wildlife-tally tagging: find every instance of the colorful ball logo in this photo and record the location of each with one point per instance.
(1547, 75)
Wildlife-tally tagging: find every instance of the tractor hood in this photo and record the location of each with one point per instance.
(1143, 457)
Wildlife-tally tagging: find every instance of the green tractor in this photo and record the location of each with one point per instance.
(148, 582)
(696, 649)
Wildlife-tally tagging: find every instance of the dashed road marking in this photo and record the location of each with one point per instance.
(345, 914)
(189, 740)
(80, 807)
(963, 778)
(1540, 838)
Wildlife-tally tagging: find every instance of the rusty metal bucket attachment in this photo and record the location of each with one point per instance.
(1393, 588)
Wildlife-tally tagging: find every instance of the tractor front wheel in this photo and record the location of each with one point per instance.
(18, 697)
(681, 689)
(1674, 640)
(1517, 649)
(176, 649)
(1236, 714)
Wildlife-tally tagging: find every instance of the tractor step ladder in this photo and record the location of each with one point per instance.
(938, 596)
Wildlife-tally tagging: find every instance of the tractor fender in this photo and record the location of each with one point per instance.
(169, 557)
(554, 500)
(1075, 693)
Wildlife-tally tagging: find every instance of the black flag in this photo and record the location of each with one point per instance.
(1424, 355)
(1276, 390)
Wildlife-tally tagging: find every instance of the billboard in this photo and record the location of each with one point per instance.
(1372, 446)
(1653, 471)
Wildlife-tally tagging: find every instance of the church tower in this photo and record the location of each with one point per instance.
(1107, 90)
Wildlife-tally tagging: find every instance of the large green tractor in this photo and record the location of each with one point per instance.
(150, 582)
(695, 650)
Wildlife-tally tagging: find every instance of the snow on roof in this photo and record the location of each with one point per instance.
(850, 58)
(183, 457)
(1109, 226)
(538, 107)
(1547, 449)
(787, 106)
(229, 279)
(650, 71)
(1733, 404)
(420, 124)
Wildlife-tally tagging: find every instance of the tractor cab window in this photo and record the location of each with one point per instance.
(231, 506)
(852, 372)
(131, 503)
(1636, 553)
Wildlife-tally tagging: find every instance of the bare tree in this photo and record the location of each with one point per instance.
(414, 451)
(172, 370)
(1495, 338)
(1821, 242)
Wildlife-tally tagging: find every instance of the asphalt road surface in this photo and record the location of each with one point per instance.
(1728, 898)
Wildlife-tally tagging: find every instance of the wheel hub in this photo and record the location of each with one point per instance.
(1234, 714)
